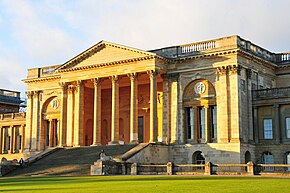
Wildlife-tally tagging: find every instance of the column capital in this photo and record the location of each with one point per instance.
(235, 69)
(71, 88)
(63, 84)
(152, 73)
(114, 78)
(29, 94)
(97, 81)
(222, 70)
(249, 73)
(133, 76)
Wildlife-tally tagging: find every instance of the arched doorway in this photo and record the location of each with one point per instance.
(267, 158)
(247, 157)
(198, 158)
(50, 123)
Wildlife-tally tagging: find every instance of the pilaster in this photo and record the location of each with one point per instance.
(277, 124)
(166, 109)
(134, 108)
(97, 112)
(11, 134)
(35, 133)
(153, 106)
(29, 113)
(222, 106)
(174, 109)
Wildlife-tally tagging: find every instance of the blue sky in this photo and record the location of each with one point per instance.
(36, 33)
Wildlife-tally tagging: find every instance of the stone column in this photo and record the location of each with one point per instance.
(134, 108)
(115, 110)
(70, 115)
(63, 115)
(153, 106)
(207, 124)
(277, 123)
(29, 113)
(174, 110)
(11, 134)
(35, 123)
(97, 112)
(78, 115)
(51, 133)
(256, 128)
(166, 109)
(22, 132)
(1, 140)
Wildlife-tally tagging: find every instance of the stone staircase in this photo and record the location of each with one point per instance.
(70, 161)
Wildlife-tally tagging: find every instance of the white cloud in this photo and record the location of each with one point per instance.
(49, 32)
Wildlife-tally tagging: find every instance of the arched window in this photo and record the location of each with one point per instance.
(199, 102)
(247, 157)
(198, 158)
(267, 158)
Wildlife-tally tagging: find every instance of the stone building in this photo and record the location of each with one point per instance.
(224, 100)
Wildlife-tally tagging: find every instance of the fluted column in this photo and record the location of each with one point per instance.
(78, 123)
(115, 110)
(134, 108)
(29, 112)
(97, 112)
(153, 106)
(63, 117)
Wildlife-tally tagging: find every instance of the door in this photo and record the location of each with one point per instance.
(141, 129)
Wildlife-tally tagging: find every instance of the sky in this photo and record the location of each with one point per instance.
(37, 33)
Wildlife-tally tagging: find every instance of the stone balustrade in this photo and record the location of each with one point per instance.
(9, 116)
(271, 93)
(249, 169)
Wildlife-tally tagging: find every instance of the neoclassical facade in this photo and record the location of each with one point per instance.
(224, 100)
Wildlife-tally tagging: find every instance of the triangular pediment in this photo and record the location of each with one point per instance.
(103, 53)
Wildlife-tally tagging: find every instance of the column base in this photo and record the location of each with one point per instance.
(134, 142)
(114, 143)
(96, 144)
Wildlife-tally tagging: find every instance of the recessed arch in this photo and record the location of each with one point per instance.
(198, 158)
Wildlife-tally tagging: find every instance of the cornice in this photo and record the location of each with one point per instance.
(41, 79)
(107, 64)
(204, 55)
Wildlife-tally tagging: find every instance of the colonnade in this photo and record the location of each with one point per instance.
(73, 131)
(11, 138)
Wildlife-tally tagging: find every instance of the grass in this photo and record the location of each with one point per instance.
(145, 184)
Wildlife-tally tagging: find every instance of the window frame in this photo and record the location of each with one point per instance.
(267, 133)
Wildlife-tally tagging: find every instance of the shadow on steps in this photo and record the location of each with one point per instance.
(70, 161)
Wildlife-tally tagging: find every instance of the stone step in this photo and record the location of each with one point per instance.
(70, 161)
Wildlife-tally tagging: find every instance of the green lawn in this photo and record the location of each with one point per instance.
(145, 184)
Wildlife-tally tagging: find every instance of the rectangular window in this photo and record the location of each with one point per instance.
(202, 122)
(268, 130)
(214, 122)
(288, 127)
(190, 122)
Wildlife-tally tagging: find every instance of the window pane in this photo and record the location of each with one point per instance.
(202, 122)
(214, 122)
(268, 131)
(190, 122)
(288, 127)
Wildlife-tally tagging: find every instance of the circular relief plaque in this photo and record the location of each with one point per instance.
(199, 88)
(54, 103)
